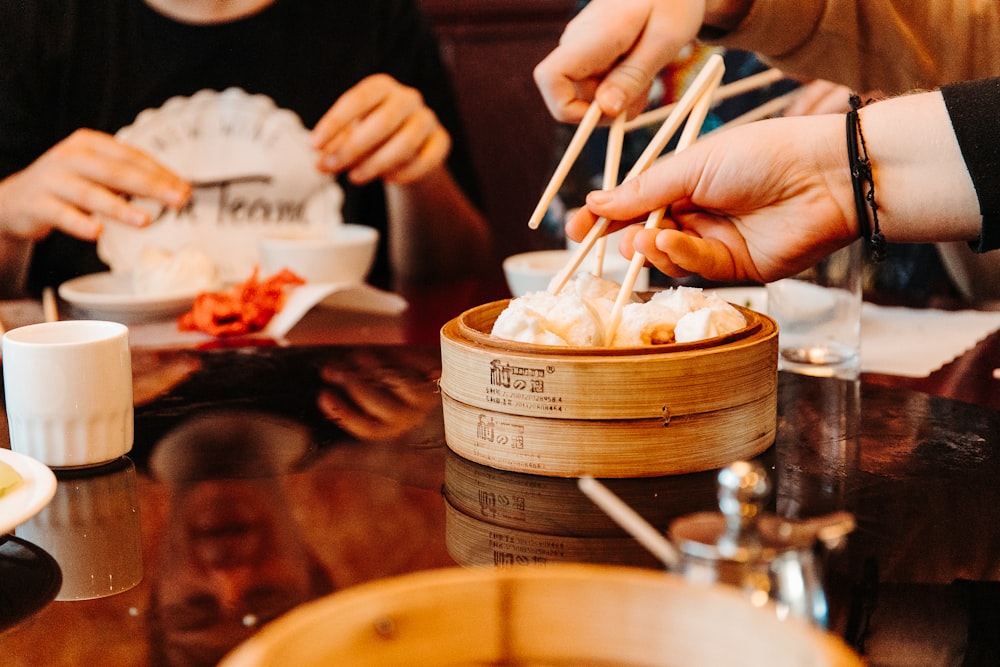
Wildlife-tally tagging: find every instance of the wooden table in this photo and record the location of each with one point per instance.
(361, 485)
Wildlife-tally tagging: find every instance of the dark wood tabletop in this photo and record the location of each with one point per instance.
(267, 475)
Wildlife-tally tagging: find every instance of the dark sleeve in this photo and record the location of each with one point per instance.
(25, 72)
(974, 107)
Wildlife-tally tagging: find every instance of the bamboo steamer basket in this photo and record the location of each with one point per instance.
(608, 412)
(565, 614)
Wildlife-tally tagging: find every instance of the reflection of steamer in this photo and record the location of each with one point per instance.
(608, 412)
(473, 541)
(495, 517)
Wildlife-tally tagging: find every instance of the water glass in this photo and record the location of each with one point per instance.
(818, 313)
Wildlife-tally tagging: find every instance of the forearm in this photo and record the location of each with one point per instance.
(435, 231)
(15, 255)
(894, 45)
(922, 185)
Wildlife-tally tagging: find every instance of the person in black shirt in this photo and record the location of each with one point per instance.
(365, 77)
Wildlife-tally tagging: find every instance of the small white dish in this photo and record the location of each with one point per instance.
(110, 295)
(38, 486)
(754, 298)
(533, 271)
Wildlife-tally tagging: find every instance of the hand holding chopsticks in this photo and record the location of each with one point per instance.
(707, 79)
(690, 134)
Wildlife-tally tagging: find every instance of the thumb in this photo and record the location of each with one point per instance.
(626, 87)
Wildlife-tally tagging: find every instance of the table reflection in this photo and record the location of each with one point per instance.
(329, 468)
(29, 579)
(92, 528)
(502, 518)
(232, 557)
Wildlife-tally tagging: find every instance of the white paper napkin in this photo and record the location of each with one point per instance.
(913, 342)
(163, 333)
(909, 342)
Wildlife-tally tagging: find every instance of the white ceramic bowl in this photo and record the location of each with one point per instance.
(533, 271)
(346, 256)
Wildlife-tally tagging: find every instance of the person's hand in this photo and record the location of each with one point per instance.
(87, 177)
(754, 203)
(611, 51)
(381, 129)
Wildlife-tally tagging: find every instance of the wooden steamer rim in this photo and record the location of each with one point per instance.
(476, 324)
(559, 614)
(649, 382)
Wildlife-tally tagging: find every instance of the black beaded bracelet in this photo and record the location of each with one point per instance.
(861, 176)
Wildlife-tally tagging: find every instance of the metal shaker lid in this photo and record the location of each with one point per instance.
(742, 532)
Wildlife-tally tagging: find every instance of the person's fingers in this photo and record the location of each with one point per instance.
(710, 258)
(378, 97)
(580, 222)
(626, 86)
(381, 129)
(417, 146)
(644, 242)
(121, 168)
(637, 197)
(67, 218)
(589, 51)
(432, 154)
(93, 199)
(665, 31)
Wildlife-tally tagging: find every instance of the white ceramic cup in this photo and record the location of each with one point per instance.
(91, 528)
(68, 389)
(819, 316)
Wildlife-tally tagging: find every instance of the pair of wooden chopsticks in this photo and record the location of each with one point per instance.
(721, 94)
(706, 80)
(50, 308)
(593, 117)
(702, 102)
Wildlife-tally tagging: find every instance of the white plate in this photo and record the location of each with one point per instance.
(37, 487)
(110, 294)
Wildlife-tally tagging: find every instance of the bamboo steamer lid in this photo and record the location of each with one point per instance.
(560, 614)
(608, 412)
